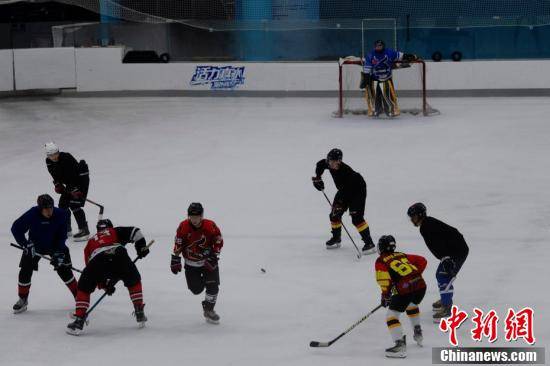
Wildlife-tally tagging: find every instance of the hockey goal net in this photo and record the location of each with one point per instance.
(409, 80)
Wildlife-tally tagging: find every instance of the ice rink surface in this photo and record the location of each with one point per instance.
(482, 166)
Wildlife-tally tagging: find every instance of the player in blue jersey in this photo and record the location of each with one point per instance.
(377, 79)
(42, 230)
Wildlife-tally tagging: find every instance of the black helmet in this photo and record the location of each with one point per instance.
(44, 201)
(195, 208)
(386, 244)
(418, 209)
(103, 224)
(335, 154)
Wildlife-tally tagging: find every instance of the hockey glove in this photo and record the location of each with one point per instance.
(385, 300)
(175, 264)
(449, 266)
(142, 250)
(109, 287)
(365, 80)
(28, 249)
(318, 183)
(59, 188)
(211, 263)
(57, 260)
(76, 194)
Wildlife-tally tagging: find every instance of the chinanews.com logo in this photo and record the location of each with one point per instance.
(518, 326)
(219, 77)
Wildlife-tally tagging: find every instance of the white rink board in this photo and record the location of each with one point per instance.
(6, 70)
(101, 69)
(44, 68)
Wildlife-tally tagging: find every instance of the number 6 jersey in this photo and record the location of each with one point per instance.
(399, 273)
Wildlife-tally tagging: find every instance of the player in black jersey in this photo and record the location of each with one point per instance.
(351, 194)
(448, 245)
(71, 181)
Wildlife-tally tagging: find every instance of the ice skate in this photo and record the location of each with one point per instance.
(140, 316)
(336, 241)
(209, 313)
(399, 350)
(443, 312)
(82, 235)
(75, 328)
(418, 338)
(20, 306)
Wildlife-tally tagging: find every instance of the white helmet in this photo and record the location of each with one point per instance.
(51, 148)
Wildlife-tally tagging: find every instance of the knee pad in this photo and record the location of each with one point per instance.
(196, 290)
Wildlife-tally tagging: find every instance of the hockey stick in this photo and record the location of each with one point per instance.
(448, 287)
(43, 256)
(328, 344)
(114, 283)
(101, 208)
(359, 254)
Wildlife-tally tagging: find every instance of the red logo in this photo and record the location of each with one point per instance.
(520, 325)
(485, 326)
(516, 325)
(452, 323)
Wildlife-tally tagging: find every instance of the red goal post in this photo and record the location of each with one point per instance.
(410, 84)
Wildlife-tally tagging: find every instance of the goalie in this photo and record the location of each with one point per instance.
(376, 79)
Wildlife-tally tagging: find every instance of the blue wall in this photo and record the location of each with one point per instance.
(473, 43)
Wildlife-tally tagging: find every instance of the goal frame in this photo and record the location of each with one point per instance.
(425, 108)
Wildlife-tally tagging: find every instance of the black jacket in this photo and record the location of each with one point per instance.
(68, 171)
(345, 178)
(443, 240)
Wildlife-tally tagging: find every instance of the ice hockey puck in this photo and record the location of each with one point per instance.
(263, 270)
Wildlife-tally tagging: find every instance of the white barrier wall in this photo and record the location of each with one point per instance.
(6, 70)
(44, 68)
(101, 69)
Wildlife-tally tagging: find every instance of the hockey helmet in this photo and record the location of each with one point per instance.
(103, 224)
(195, 208)
(335, 154)
(51, 148)
(417, 209)
(386, 244)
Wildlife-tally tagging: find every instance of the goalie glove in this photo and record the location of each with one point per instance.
(409, 57)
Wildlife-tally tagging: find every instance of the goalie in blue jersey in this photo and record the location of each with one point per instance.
(377, 81)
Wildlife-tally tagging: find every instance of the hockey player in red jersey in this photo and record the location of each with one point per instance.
(107, 261)
(199, 241)
(403, 288)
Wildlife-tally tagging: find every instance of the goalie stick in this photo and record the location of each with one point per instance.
(329, 343)
(359, 254)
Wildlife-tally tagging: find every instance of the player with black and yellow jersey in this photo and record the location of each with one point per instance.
(403, 288)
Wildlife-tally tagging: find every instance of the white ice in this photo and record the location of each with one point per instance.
(483, 166)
